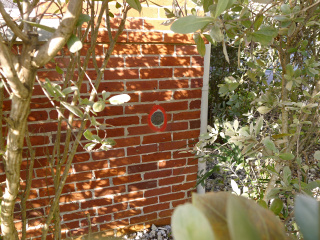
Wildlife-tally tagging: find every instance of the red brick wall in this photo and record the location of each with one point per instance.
(145, 176)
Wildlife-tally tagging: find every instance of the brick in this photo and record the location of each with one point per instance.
(87, 166)
(128, 197)
(185, 170)
(124, 49)
(196, 83)
(112, 208)
(111, 86)
(192, 161)
(172, 163)
(93, 184)
(82, 157)
(82, 231)
(166, 213)
(51, 75)
(126, 179)
(96, 203)
(175, 61)
(121, 74)
(50, 191)
(155, 138)
(123, 121)
(38, 140)
(156, 207)
(79, 177)
(75, 196)
(107, 154)
(142, 168)
(142, 85)
(197, 61)
(158, 191)
(124, 161)
(195, 124)
(143, 202)
(39, 102)
(141, 108)
(180, 202)
(178, 38)
(152, 49)
(142, 61)
(125, 214)
(69, 207)
(172, 196)
(156, 96)
(155, 25)
(171, 180)
(157, 174)
(186, 115)
(110, 172)
(191, 177)
(142, 185)
(186, 50)
(156, 156)
(126, 142)
(150, 12)
(172, 145)
(183, 154)
(141, 149)
(114, 224)
(195, 104)
(108, 191)
(186, 134)
(184, 187)
(187, 94)
(176, 126)
(188, 72)
(78, 215)
(144, 218)
(114, 62)
(173, 84)
(156, 73)
(145, 37)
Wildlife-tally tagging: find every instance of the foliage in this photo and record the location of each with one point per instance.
(19, 73)
(225, 216)
(273, 136)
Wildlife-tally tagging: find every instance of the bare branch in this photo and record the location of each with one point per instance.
(10, 73)
(60, 36)
(11, 24)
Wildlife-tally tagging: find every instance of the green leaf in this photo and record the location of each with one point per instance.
(75, 110)
(59, 70)
(286, 156)
(225, 53)
(273, 193)
(200, 44)
(258, 22)
(285, 8)
(259, 125)
(88, 135)
(265, 35)
(74, 44)
(263, 109)
(286, 172)
(206, 5)
(105, 95)
(188, 223)
(135, 4)
(190, 24)
(317, 155)
(82, 19)
(90, 146)
(221, 7)
(216, 34)
(239, 223)
(118, 5)
(307, 216)
(119, 99)
(235, 187)
(68, 90)
(37, 25)
(99, 106)
(289, 85)
(269, 144)
(289, 70)
(276, 206)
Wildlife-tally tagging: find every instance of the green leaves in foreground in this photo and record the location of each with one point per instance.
(190, 24)
(231, 218)
(308, 217)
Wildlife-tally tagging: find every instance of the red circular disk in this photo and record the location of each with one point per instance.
(157, 119)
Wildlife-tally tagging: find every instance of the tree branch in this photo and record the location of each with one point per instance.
(6, 62)
(11, 24)
(60, 36)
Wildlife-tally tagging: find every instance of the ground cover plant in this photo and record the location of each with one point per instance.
(77, 20)
(273, 136)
